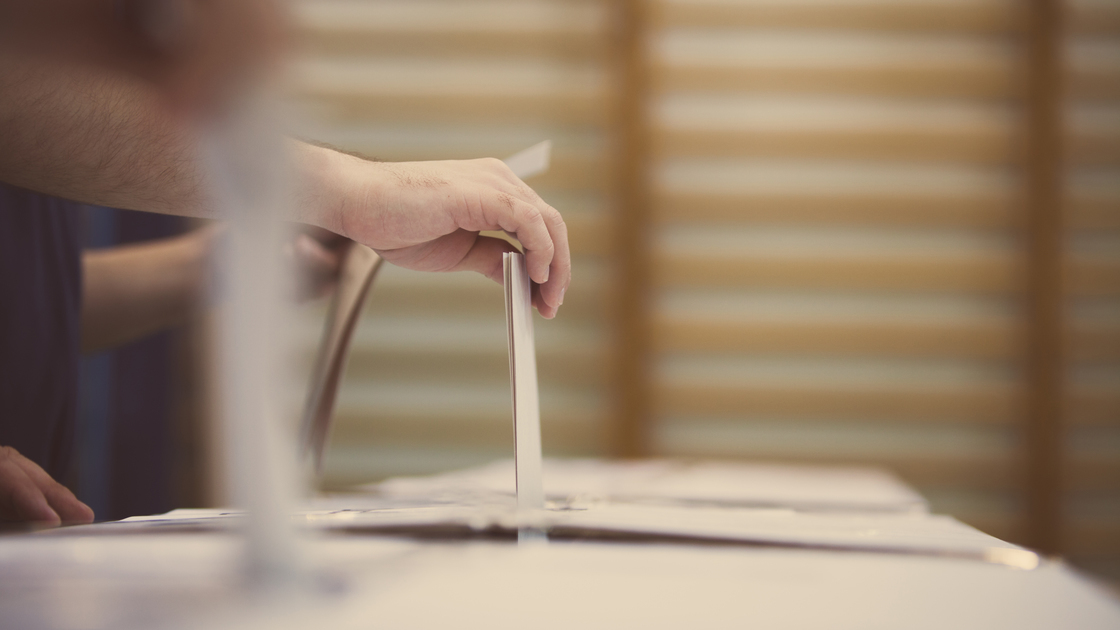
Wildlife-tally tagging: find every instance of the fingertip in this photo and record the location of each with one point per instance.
(84, 515)
(71, 511)
(31, 506)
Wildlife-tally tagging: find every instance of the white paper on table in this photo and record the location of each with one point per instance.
(811, 488)
(915, 533)
(523, 382)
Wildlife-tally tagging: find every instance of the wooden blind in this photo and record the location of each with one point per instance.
(840, 249)
(838, 256)
(1091, 531)
(800, 231)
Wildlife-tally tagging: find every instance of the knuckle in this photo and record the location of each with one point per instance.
(494, 163)
(527, 193)
(531, 214)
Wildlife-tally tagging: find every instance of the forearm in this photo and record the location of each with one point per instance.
(135, 290)
(96, 137)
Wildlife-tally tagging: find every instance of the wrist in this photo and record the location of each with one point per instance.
(326, 187)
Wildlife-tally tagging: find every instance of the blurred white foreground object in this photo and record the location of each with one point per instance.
(523, 381)
(245, 161)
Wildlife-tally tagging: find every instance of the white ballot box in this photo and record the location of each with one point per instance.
(656, 544)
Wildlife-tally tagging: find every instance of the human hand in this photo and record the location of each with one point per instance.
(316, 258)
(312, 255)
(427, 216)
(29, 495)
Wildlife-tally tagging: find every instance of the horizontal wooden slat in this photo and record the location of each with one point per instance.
(589, 234)
(582, 171)
(950, 470)
(1086, 406)
(560, 42)
(964, 340)
(986, 145)
(353, 103)
(992, 274)
(990, 16)
(1093, 211)
(1093, 536)
(1097, 276)
(979, 210)
(1093, 473)
(1097, 341)
(1093, 405)
(840, 208)
(556, 366)
(562, 428)
(1094, 83)
(1094, 147)
(978, 340)
(986, 473)
(1093, 17)
(978, 80)
(987, 404)
(489, 28)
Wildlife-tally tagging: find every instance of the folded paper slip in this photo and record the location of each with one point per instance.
(523, 380)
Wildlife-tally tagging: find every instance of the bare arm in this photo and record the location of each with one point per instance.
(134, 290)
(93, 136)
(107, 139)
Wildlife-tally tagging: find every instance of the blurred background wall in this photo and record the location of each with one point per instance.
(819, 231)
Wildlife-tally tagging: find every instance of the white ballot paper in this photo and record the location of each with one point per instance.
(523, 381)
(532, 161)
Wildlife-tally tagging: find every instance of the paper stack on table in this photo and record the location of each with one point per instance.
(657, 509)
(806, 488)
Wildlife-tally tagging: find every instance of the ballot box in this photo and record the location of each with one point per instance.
(653, 544)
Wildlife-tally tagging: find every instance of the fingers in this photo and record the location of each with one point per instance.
(28, 494)
(527, 222)
(485, 257)
(21, 500)
(560, 274)
(61, 500)
(314, 257)
(316, 266)
(543, 233)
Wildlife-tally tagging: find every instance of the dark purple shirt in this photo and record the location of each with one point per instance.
(40, 310)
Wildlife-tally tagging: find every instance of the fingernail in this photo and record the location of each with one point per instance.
(545, 276)
(562, 292)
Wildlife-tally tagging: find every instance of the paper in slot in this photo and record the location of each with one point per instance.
(523, 381)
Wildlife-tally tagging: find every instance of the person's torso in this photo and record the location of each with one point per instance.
(40, 316)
